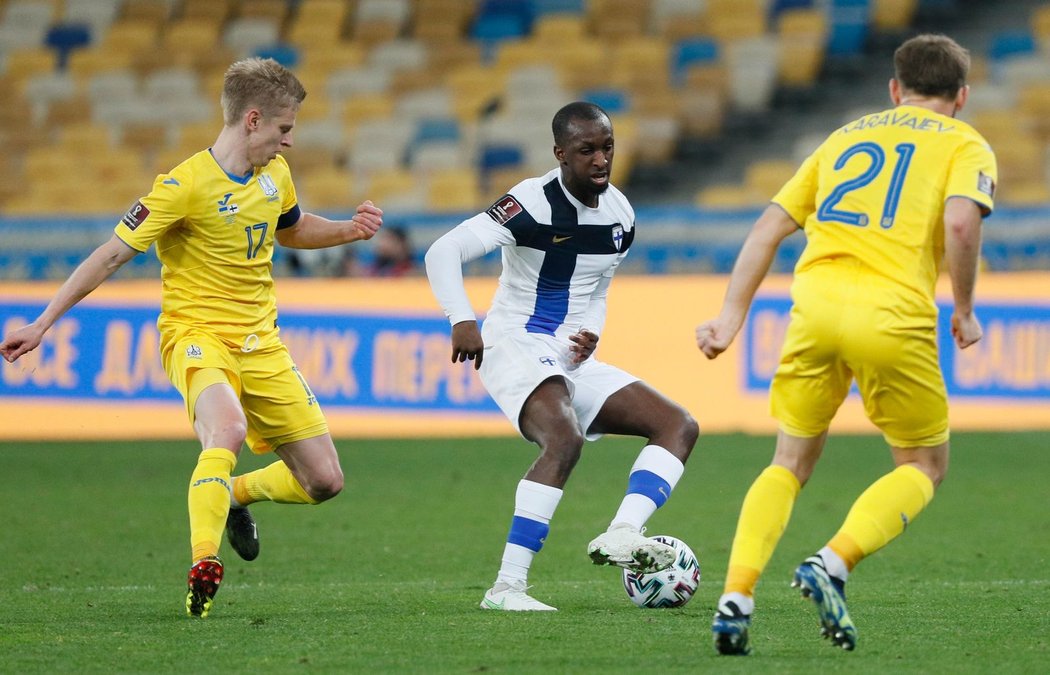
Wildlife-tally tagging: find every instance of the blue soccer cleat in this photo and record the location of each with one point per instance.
(730, 630)
(829, 595)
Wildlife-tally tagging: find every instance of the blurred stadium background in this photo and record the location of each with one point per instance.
(433, 108)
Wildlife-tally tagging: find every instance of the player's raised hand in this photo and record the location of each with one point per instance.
(585, 342)
(714, 337)
(467, 344)
(966, 329)
(368, 219)
(18, 342)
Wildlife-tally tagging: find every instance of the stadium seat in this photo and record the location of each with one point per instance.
(675, 20)
(611, 100)
(803, 35)
(726, 196)
(752, 66)
(397, 55)
(848, 27)
(438, 156)
(1010, 44)
(893, 15)
(730, 21)
(765, 177)
(395, 190)
(377, 21)
(328, 188)
(243, 36)
(441, 21)
(65, 37)
(690, 53)
(46, 89)
(617, 19)
(215, 11)
(454, 191)
(558, 28)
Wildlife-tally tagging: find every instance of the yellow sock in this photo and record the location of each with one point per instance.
(209, 500)
(881, 513)
(763, 517)
(273, 483)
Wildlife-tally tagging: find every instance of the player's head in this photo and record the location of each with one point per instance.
(931, 66)
(262, 97)
(583, 145)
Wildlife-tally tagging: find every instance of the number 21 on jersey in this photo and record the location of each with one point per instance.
(828, 208)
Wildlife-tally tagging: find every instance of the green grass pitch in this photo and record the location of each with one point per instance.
(387, 577)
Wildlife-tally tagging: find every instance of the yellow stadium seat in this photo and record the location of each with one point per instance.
(893, 15)
(802, 34)
(727, 196)
(473, 88)
(639, 60)
(437, 21)
(766, 176)
(557, 27)
(327, 188)
(264, 9)
(617, 19)
(22, 64)
(452, 190)
(732, 20)
(214, 10)
(1033, 192)
(146, 10)
(392, 185)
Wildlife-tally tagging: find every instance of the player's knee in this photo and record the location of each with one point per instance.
(564, 451)
(323, 488)
(688, 429)
(231, 434)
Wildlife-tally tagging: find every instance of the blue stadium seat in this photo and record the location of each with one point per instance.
(65, 37)
(778, 6)
(500, 156)
(611, 100)
(436, 129)
(1012, 43)
(541, 7)
(285, 54)
(691, 51)
(848, 21)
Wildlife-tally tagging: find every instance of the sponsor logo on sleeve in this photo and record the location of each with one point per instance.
(985, 183)
(135, 216)
(503, 210)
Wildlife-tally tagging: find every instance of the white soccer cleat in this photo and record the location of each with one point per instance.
(628, 548)
(511, 597)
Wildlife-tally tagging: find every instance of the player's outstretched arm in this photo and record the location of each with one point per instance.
(99, 266)
(962, 250)
(752, 264)
(314, 231)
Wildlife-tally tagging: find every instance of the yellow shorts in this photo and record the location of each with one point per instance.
(277, 401)
(843, 330)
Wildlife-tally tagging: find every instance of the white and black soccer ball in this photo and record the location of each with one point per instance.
(670, 587)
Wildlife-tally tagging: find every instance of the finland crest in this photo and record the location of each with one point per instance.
(617, 236)
(269, 188)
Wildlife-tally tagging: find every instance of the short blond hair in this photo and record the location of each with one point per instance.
(259, 83)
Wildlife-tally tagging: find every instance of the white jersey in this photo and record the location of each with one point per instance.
(558, 258)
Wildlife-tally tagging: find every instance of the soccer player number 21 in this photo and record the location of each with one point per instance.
(827, 210)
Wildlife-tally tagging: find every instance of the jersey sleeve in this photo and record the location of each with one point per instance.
(154, 214)
(492, 226)
(798, 196)
(974, 175)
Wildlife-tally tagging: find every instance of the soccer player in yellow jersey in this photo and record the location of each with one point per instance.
(214, 220)
(882, 201)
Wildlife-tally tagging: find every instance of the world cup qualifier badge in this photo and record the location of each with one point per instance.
(135, 216)
(504, 209)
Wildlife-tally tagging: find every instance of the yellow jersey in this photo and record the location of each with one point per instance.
(214, 235)
(872, 196)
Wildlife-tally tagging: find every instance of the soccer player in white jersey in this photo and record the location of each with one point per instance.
(562, 236)
(215, 219)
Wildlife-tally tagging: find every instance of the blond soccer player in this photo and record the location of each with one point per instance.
(882, 201)
(214, 220)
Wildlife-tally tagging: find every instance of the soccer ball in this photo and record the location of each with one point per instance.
(670, 587)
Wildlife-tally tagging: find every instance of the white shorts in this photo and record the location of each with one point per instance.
(516, 362)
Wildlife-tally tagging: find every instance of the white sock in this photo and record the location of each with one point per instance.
(744, 602)
(534, 506)
(835, 565)
(653, 476)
